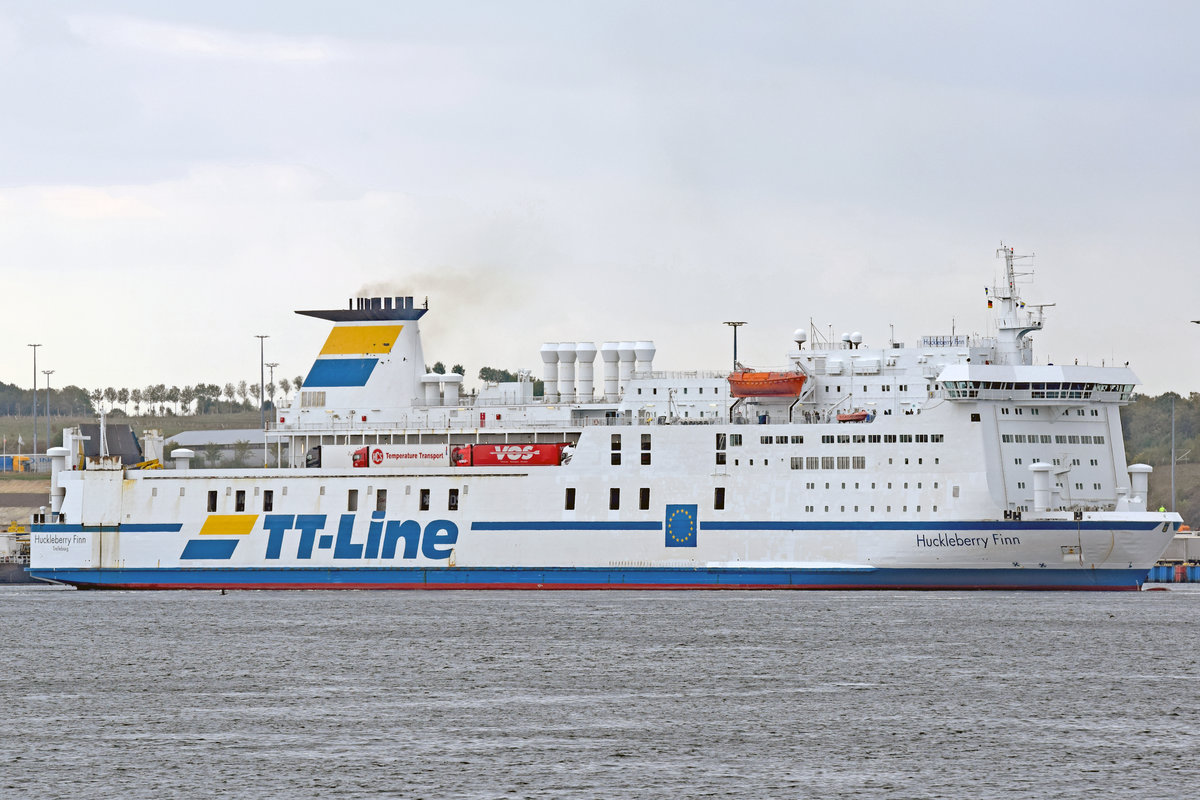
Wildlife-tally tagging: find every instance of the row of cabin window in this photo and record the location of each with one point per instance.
(700, 390)
(823, 462)
(1079, 412)
(268, 500)
(885, 438)
(735, 439)
(1045, 438)
(1057, 462)
(1058, 484)
(884, 387)
(829, 462)
(811, 486)
(614, 498)
(812, 509)
(616, 449)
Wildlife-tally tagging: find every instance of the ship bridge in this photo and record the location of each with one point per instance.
(1038, 385)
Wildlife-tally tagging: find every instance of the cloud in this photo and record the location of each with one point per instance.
(86, 202)
(189, 41)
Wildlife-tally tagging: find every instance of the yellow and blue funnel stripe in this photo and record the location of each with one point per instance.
(351, 340)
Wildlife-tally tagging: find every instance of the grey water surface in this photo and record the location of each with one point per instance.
(599, 694)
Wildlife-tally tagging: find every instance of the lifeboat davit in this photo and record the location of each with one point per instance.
(745, 383)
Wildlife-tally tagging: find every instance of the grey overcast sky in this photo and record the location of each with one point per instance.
(178, 177)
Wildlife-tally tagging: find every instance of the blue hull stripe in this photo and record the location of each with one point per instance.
(150, 527)
(129, 527)
(961, 525)
(958, 525)
(596, 577)
(566, 526)
(1015, 526)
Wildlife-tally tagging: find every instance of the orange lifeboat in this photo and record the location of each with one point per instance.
(745, 383)
(853, 416)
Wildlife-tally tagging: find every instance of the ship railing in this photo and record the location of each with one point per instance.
(680, 375)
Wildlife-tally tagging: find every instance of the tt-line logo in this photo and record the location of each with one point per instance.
(385, 538)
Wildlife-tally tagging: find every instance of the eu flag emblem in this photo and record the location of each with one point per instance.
(681, 526)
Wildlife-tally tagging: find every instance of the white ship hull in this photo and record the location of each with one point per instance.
(509, 527)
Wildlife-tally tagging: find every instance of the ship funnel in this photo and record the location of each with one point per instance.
(372, 356)
(609, 351)
(549, 353)
(585, 352)
(566, 372)
(645, 356)
(1041, 485)
(625, 349)
(1139, 485)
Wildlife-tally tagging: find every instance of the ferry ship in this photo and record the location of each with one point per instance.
(957, 463)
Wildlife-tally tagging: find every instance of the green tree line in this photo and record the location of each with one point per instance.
(156, 399)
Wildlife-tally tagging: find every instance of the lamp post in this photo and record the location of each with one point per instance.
(35, 347)
(271, 365)
(262, 413)
(47, 373)
(262, 407)
(735, 326)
